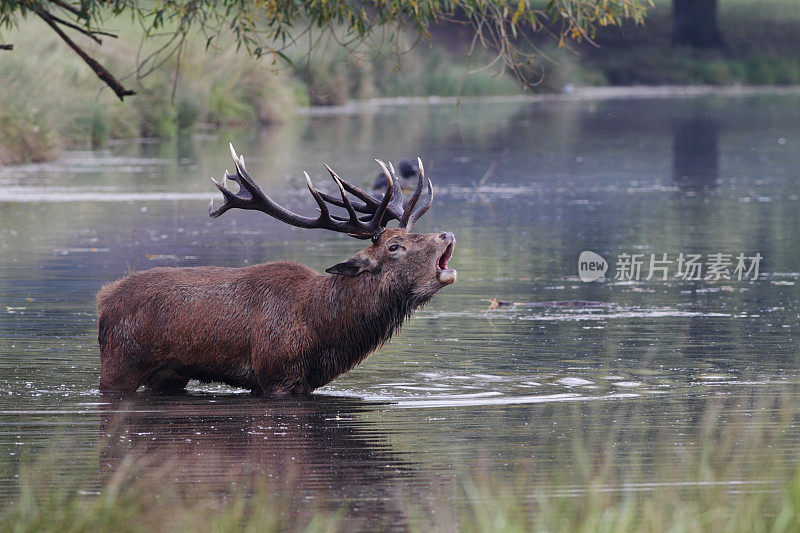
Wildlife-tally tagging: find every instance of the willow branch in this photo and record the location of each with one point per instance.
(72, 9)
(92, 34)
(98, 69)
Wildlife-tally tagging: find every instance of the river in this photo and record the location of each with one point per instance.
(626, 363)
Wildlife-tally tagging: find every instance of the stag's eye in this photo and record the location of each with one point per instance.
(394, 247)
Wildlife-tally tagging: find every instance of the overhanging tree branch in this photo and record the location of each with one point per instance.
(270, 27)
(72, 9)
(98, 69)
(92, 34)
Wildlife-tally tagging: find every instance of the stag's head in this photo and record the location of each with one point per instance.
(403, 261)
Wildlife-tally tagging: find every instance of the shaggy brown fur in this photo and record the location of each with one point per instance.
(277, 329)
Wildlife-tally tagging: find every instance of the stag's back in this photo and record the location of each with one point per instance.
(171, 312)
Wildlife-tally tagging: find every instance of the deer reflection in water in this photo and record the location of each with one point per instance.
(321, 450)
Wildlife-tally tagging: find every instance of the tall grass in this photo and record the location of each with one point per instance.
(128, 502)
(49, 99)
(731, 474)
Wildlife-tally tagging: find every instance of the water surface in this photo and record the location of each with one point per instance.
(526, 187)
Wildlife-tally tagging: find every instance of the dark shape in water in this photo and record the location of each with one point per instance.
(407, 171)
(695, 153)
(494, 304)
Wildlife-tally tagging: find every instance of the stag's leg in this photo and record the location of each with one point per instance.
(118, 373)
(166, 381)
(278, 392)
(268, 389)
(121, 358)
(275, 379)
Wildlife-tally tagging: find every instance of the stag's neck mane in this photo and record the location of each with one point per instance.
(366, 305)
(358, 314)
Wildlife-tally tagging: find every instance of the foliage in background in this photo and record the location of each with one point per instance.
(219, 88)
(762, 42)
(266, 28)
(205, 89)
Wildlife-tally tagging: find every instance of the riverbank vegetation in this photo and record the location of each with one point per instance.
(199, 90)
(760, 43)
(55, 102)
(731, 469)
(273, 28)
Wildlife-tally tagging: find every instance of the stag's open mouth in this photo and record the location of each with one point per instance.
(445, 257)
(443, 273)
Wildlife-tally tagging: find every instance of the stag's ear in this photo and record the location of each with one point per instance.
(354, 266)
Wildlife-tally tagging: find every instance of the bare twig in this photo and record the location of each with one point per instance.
(491, 169)
(132, 264)
(92, 34)
(98, 69)
(72, 9)
(154, 59)
(487, 175)
(6, 46)
(179, 56)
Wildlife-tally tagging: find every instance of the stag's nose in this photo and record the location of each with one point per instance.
(446, 236)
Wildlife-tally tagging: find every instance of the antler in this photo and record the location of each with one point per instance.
(407, 214)
(379, 212)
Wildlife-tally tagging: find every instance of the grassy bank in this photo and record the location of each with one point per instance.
(729, 473)
(56, 102)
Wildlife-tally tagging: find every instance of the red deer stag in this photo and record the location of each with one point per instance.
(278, 329)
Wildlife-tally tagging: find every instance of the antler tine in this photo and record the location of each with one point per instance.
(234, 156)
(395, 207)
(323, 209)
(393, 198)
(377, 210)
(422, 208)
(251, 197)
(321, 198)
(231, 199)
(358, 193)
(387, 198)
(361, 208)
(370, 202)
(415, 197)
(346, 201)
